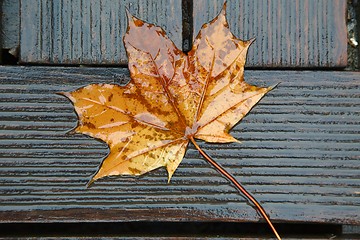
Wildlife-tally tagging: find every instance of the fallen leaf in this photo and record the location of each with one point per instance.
(172, 98)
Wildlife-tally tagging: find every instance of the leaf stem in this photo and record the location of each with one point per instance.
(237, 185)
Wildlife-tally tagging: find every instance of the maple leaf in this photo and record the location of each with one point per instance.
(172, 99)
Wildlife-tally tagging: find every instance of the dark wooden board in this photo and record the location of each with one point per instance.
(88, 32)
(299, 155)
(170, 231)
(295, 33)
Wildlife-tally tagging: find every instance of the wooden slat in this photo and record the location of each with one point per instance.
(289, 33)
(10, 17)
(88, 32)
(299, 155)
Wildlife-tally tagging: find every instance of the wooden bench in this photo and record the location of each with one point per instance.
(299, 156)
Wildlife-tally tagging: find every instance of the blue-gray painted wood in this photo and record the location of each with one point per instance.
(289, 33)
(299, 155)
(310, 34)
(88, 31)
(10, 18)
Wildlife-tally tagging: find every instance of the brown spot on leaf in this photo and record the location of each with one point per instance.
(134, 171)
(89, 125)
(138, 22)
(110, 97)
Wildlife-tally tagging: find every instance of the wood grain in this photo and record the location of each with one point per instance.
(10, 17)
(299, 155)
(295, 33)
(88, 32)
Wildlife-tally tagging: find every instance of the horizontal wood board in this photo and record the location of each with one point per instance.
(299, 155)
(88, 32)
(289, 33)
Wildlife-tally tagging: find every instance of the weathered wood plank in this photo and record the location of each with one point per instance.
(295, 33)
(10, 17)
(299, 155)
(88, 32)
(1, 30)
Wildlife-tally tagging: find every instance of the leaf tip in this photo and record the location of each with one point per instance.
(222, 14)
(88, 185)
(170, 174)
(273, 86)
(63, 93)
(237, 141)
(67, 95)
(128, 14)
(223, 10)
(133, 21)
(130, 20)
(72, 131)
(250, 41)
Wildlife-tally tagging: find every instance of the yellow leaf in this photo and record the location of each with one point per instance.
(171, 99)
